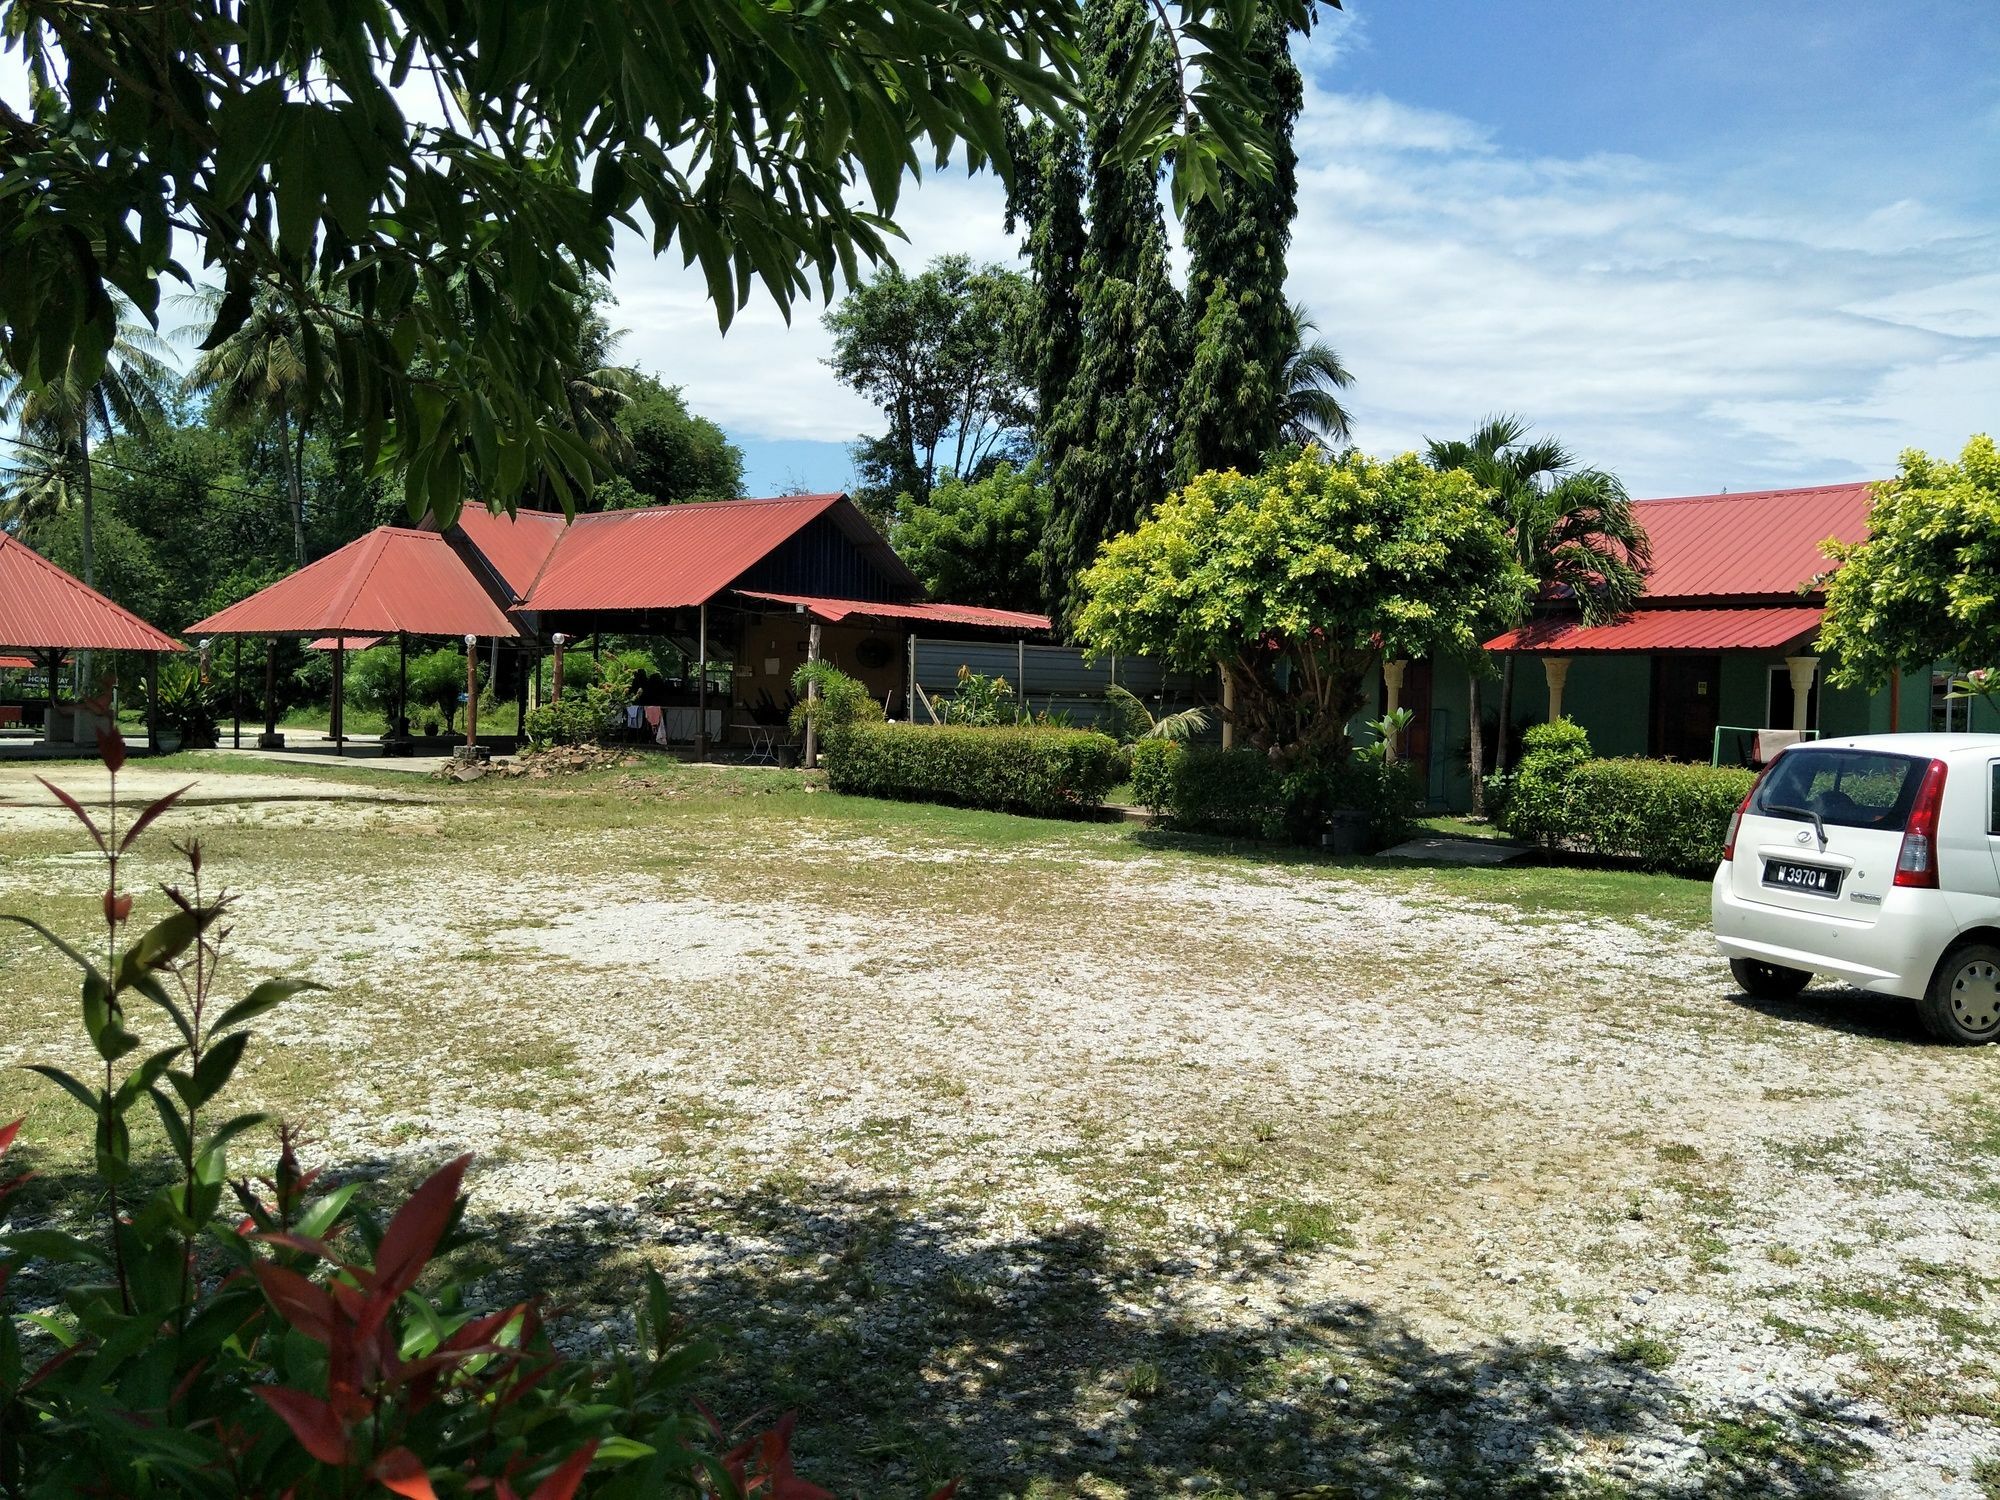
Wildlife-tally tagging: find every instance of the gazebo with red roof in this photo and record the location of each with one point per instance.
(395, 581)
(44, 609)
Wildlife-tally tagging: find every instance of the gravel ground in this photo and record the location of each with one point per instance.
(1083, 1165)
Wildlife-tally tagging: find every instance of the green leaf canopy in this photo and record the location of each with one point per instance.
(1299, 580)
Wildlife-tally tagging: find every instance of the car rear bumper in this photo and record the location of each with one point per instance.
(1893, 955)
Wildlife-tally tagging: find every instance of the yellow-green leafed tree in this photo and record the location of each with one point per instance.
(1299, 580)
(1925, 586)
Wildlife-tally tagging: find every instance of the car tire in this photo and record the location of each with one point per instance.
(1762, 981)
(1962, 1005)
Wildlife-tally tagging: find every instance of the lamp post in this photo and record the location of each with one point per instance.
(555, 686)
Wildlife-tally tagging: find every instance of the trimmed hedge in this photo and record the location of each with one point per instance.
(1241, 794)
(1664, 814)
(1050, 772)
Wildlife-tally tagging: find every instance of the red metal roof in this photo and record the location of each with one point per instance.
(1746, 629)
(515, 546)
(833, 611)
(42, 606)
(1761, 543)
(17, 664)
(673, 556)
(347, 642)
(393, 579)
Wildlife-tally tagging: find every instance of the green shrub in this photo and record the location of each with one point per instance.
(1154, 764)
(1232, 793)
(1537, 798)
(980, 702)
(1309, 794)
(1664, 814)
(842, 700)
(1242, 794)
(1052, 772)
(576, 719)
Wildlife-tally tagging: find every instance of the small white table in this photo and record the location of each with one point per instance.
(763, 742)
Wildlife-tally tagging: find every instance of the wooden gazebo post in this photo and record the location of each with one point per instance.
(339, 714)
(812, 695)
(270, 739)
(471, 695)
(152, 703)
(555, 684)
(701, 691)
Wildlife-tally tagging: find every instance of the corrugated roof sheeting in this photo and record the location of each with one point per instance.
(392, 580)
(666, 556)
(1762, 543)
(1747, 629)
(516, 546)
(835, 610)
(41, 606)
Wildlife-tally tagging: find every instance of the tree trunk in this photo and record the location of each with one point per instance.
(86, 543)
(293, 491)
(1506, 710)
(1478, 751)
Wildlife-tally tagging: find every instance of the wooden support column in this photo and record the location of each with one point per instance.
(521, 690)
(236, 695)
(338, 722)
(555, 684)
(701, 692)
(152, 703)
(270, 739)
(812, 696)
(471, 691)
(1228, 706)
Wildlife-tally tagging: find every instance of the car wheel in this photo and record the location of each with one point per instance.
(1762, 981)
(1963, 1002)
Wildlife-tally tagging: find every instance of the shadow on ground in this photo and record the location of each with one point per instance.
(1851, 1012)
(916, 1348)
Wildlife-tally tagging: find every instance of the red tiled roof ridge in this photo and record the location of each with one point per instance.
(1731, 495)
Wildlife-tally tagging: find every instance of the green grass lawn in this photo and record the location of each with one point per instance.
(1083, 1159)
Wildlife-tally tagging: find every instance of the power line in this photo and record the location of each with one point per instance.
(144, 473)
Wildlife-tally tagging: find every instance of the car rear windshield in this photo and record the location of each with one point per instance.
(1847, 788)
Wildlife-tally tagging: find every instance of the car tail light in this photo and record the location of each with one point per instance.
(1917, 862)
(1736, 818)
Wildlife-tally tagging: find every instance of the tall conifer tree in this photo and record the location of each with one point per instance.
(1107, 443)
(1232, 401)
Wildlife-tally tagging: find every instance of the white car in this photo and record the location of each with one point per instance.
(1874, 860)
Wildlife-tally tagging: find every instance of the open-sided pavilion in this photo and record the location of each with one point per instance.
(48, 614)
(395, 581)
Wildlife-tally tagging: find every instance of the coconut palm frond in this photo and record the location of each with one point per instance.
(1183, 726)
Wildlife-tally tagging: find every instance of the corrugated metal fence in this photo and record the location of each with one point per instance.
(1057, 679)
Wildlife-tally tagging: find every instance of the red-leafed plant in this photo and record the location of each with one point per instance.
(291, 1345)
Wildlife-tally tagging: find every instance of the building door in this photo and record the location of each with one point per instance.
(1416, 745)
(1686, 692)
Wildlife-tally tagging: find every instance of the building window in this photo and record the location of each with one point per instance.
(1778, 702)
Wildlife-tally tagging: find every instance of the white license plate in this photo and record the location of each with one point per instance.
(1816, 880)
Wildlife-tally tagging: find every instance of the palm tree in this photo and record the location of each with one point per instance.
(596, 390)
(274, 369)
(1574, 532)
(1309, 409)
(57, 419)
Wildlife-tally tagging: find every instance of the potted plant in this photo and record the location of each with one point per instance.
(186, 709)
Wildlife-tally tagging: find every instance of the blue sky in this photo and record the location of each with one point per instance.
(1720, 244)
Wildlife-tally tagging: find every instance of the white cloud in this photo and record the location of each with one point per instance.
(1691, 332)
